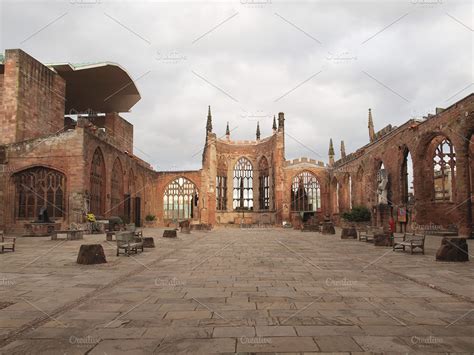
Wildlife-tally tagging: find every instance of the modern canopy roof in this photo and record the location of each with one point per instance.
(97, 87)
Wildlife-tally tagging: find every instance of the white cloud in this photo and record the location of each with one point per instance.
(425, 56)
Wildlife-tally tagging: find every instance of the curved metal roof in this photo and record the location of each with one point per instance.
(98, 87)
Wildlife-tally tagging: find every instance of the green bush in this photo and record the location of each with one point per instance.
(150, 217)
(357, 214)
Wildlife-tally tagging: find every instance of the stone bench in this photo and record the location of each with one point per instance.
(70, 234)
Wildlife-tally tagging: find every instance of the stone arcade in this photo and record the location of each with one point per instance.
(88, 165)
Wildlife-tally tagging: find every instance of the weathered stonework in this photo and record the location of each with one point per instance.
(34, 133)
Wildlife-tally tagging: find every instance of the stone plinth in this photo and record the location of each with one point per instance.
(170, 233)
(453, 249)
(348, 233)
(328, 228)
(382, 240)
(148, 242)
(35, 229)
(91, 254)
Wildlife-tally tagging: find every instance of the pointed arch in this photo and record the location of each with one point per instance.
(180, 199)
(117, 189)
(39, 187)
(221, 184)
(305, 193)
(444, 169)
(335, 188)
(264, 183)
(243, 185)
(97, 183)
(407, 180)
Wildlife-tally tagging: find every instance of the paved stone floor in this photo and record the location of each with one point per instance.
(232, 290)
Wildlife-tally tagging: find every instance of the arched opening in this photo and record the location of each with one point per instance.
(408, 187)
(335, 187)
(305, 193)
(383, 188)
(444, 170)
(358, 188)
(117, 190)
(350, 192)
(264, 184)
(180, 200)
(39, 187)
(129, 204)
(221, 185)
(243, 185)
(97, 184)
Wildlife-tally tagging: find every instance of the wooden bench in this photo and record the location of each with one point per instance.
(7, 243)
(128, 242)
(368, 234)
(413, 241)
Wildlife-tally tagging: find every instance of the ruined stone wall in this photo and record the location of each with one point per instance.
(137, 177)
(119, 129)
(455, 123)
(292, 169)
(33, 99)
(62, 152)
(160, 183)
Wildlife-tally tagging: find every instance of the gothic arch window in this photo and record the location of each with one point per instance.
(408, 190)
(97, 184)
(444, 171)
(221, 186)
(180, 199)
(243, 185)
(305, 193)
(117, 190)
(39, 187)
(264, 184)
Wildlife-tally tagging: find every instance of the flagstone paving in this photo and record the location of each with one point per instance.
(234, 290)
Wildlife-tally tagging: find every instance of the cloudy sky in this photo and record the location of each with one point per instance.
(323, 63)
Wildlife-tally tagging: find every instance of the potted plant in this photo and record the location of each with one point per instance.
(150, 220)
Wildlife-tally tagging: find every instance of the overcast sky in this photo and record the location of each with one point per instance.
(323, 63)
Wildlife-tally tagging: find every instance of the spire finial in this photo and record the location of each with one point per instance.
(258, 130)
(209, 120)
(343, 150)
(331, 147)
(331, 152)
(274, 127)
(227, 130)
(371, 127)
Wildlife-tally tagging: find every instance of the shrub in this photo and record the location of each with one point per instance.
(150, 217)
(357, 214)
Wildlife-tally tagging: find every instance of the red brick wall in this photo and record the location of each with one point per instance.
(33, 98)
(118, 128)
(455, 123)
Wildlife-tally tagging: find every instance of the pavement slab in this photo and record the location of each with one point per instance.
(234, 290)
